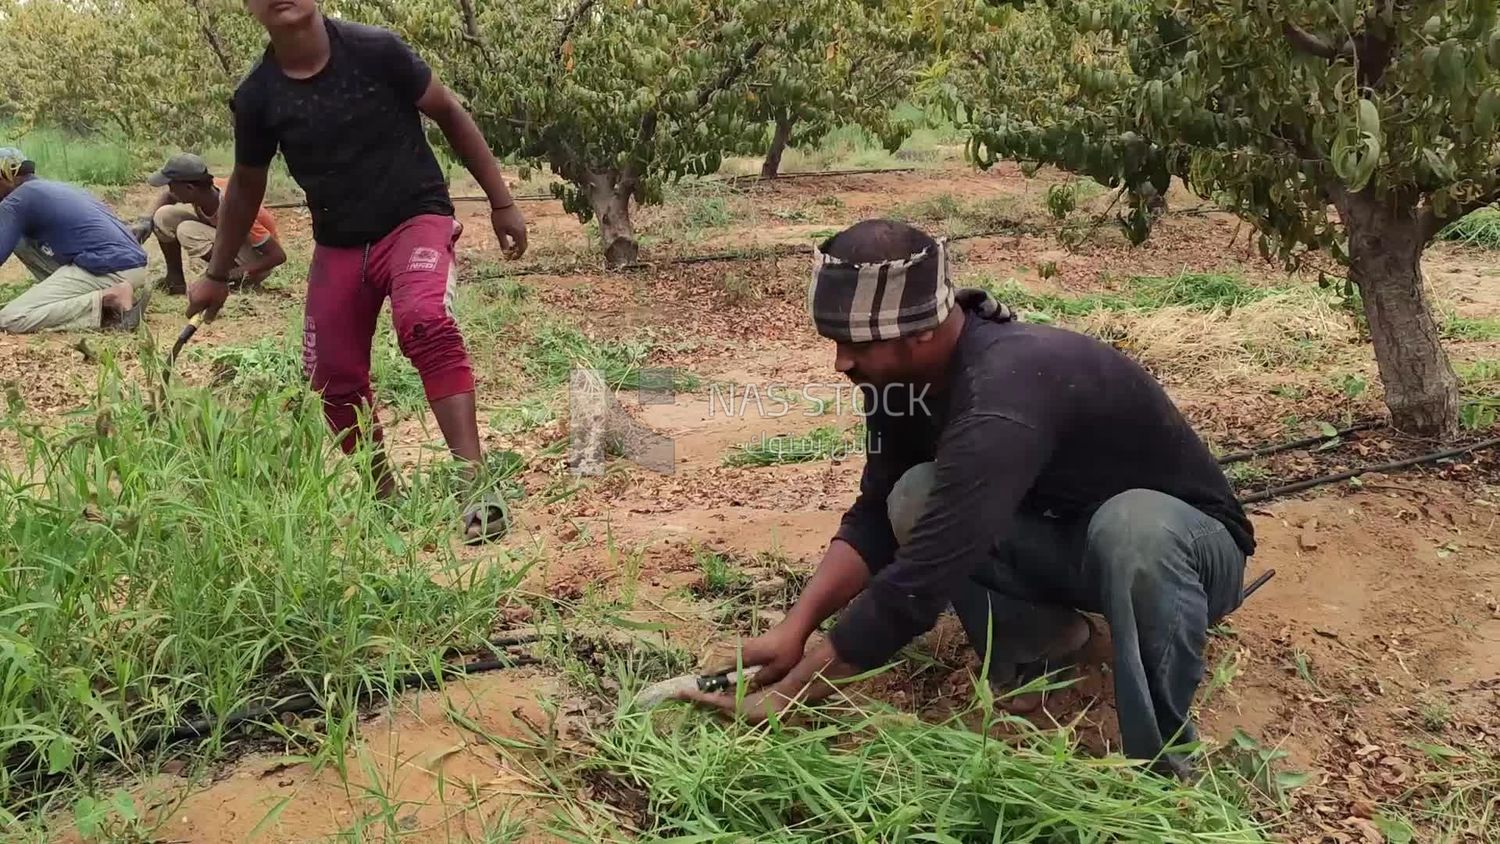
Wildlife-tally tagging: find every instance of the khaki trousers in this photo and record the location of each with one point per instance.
(181, 224)
(65, 297)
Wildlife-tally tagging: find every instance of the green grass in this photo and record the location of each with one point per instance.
(214, 558)
(1456, 798)
(1477, 329)
(11, 291)
(99, 160)
(826, 442)
(876, 775)
(1201, 291)
(954, 216)
(721, 574)
(1481, 228)
(557, 349)
(274, 364)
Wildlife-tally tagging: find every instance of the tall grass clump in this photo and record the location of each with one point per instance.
(870, 773)
(273, 364)
(85, 160)
(201, 559)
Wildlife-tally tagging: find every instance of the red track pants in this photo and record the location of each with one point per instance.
(346, 288)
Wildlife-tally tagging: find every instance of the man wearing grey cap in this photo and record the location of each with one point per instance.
(90, 270)
(1020, 474)
(186, 219)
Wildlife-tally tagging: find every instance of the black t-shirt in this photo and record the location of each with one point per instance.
(1034, 419)
(351, 135)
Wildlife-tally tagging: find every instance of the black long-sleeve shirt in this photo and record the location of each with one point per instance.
(1033, 418)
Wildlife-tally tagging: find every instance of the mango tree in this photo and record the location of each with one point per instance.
(616, 98)
(157, 71)
(861, 64)
(1358, 126)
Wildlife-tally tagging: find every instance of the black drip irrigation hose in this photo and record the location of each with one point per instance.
(1300, 486)
(299, 704)
(1264, 451)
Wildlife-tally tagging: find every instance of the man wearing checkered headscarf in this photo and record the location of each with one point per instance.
(1019, 474)
(90, 270)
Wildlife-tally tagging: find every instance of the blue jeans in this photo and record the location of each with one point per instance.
(1158, 570)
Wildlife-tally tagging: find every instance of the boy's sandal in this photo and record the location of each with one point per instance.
(487, 520)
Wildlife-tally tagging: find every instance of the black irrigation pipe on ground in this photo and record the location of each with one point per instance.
(1264, 451)
(297, 705)
(1300, 486)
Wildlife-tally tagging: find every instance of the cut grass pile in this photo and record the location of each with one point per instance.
(1480, 228)
(1457, 798)
(213, 559)
(877, 775)
(826, 442)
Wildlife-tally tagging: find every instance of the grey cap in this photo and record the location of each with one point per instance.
(180, 168)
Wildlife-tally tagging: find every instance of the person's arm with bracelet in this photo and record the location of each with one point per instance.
(463, 135)
(242, 199)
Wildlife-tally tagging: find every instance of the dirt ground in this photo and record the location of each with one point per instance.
(1380, 631)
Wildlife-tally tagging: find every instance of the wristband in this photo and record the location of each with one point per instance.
(211, 277)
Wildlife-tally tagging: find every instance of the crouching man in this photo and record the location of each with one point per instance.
(90, 272)
(186, 219)
(1019, 474)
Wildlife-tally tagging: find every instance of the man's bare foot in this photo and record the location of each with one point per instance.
(119, 299)
(123, 307)
(175, 284)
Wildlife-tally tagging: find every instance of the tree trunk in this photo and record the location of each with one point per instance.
(611, 203)
(1385, 253)
(772, 165)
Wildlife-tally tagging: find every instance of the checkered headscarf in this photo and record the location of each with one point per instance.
(859, 303)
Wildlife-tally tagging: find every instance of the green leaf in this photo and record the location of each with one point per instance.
(60, 755)
(1395, 830)
(1289, 780)
(1487, 113)
(1369, 118)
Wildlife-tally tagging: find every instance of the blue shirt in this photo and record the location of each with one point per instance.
(72, 224)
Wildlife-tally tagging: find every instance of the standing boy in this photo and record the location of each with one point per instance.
(343, 104)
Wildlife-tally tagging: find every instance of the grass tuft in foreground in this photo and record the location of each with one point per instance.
(876, 775)
(191, 566)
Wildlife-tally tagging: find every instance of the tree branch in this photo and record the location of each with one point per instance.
(213, 39)
(471, 26)
(568, 26)
(1308, 43)
(731, 73)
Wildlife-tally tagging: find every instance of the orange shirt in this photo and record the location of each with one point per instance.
(262, 230)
